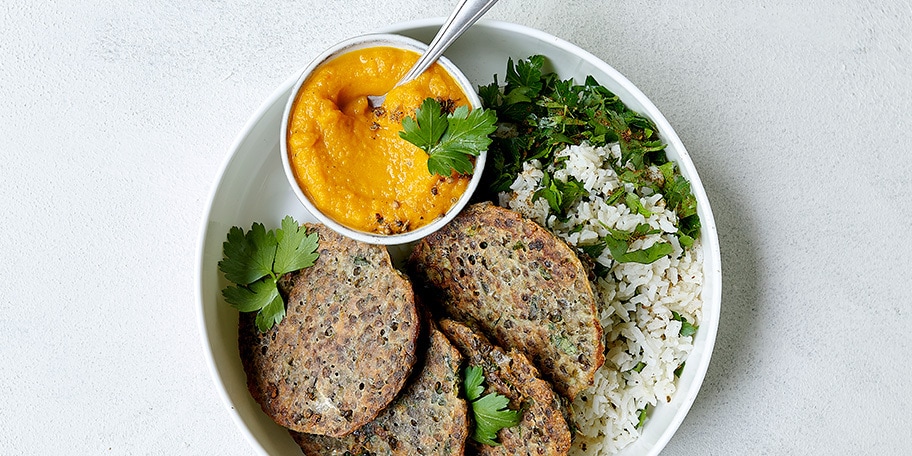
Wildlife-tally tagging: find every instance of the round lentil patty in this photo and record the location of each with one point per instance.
(520, 285)
(347, 343)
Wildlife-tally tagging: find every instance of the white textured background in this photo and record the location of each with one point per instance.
(115, 117)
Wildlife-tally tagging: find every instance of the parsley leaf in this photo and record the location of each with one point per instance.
(617, 242)
(247, 256)
(473, 380)
(490, 411)
(253, 297)
(525, 78)
(271, 314)
(296, 249)
(619, 252)
(491, 415)
(428, 126)
(636, 206)
(449, 139)
(446, 162)
(255, 260)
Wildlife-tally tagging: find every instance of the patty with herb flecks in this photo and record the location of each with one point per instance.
(542, 428)
(428, 418)
(520, 285)
(347, 343)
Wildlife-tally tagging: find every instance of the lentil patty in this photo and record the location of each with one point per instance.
(428, 418)
(347, 343)
(542, 429)
(520, 285)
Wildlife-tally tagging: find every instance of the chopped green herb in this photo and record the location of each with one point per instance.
(545, 273)
(619, 252)
(687, 329)
(639, 367)
(636, 206)
(685, 240)
(593, 250)
(561, 341)
(560, 195)
(677, 372)
(539, 114)
(602, 270)
(490, 411)
(449, 139)
(617, 242)
(255, 260)
(642, 415)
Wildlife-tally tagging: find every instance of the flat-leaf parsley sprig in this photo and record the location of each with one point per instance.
(255, 260)
(490, 411)
(449, 138)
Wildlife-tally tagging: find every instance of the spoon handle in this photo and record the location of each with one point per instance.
(465, 14)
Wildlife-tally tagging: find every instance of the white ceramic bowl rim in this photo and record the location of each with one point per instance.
(361, 42)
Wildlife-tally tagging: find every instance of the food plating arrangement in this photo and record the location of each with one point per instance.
(546, 299)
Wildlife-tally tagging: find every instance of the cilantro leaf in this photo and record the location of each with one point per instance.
(445, 162)
(254, 262)
(253, 297)
(618, 249)
(271, 314)
(428, 126)
(491, 415)
(468, 131)
(473, 381)
(296, 249)
(248, 257)
(449, 139)
(491, 412)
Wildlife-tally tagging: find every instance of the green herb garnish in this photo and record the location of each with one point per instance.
(618, 249)
(490, 411)
(679, 370)
(560, 195)
(642, 415)
(449, 138)
(687, 329)
(617, 242)
(255, 260)
(539, 114)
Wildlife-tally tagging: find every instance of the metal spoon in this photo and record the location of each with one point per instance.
(465, 14)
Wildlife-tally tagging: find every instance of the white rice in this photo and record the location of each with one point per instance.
(635, 301)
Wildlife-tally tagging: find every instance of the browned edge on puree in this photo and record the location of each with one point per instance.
(348, 158)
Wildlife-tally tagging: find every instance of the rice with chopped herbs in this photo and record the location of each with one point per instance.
(648, 311)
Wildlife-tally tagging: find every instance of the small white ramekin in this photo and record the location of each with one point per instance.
(361, 42)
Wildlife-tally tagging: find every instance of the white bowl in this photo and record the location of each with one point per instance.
(252, 187)
(353, 44)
